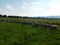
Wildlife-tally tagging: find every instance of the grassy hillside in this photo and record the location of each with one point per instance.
(20, 34)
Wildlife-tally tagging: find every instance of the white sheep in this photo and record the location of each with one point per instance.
(53, 27)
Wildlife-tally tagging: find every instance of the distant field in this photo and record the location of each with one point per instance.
(50, 21)
(20, 34)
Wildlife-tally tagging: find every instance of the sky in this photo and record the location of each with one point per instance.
(30, 7)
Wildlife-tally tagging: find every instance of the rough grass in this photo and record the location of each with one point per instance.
(20, 34)
(50, 21)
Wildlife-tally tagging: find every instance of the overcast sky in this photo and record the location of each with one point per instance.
(30, 7)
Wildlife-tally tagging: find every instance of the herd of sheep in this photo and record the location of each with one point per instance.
(51, 26)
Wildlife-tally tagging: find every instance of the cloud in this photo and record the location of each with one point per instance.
(8, 10)
(36, 3)
(53, 9)
(41, 9)
(10, 7)
(31, 9)
(31, 5)
(24, 9)
(24, 6)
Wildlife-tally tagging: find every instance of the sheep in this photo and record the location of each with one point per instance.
(46, 25)
(53, 27)
(41, 24)
(36, 24)
(28, 22)
(14, 21)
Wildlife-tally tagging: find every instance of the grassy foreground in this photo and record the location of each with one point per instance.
(19, 34)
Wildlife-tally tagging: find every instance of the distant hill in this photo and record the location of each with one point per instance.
(53, 17)
(47, 17)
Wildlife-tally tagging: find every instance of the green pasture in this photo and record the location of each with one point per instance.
(20, 34)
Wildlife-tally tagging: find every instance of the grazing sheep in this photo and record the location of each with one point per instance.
(42, 24)
(46, 25)
(53, 27)
(36, 24)
(29, 22)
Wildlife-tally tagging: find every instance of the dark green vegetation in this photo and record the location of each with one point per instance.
(20, 34)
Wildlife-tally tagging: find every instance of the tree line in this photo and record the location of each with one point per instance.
(11, 16)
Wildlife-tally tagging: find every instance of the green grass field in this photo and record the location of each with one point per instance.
(20, 34)
(50, 21)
